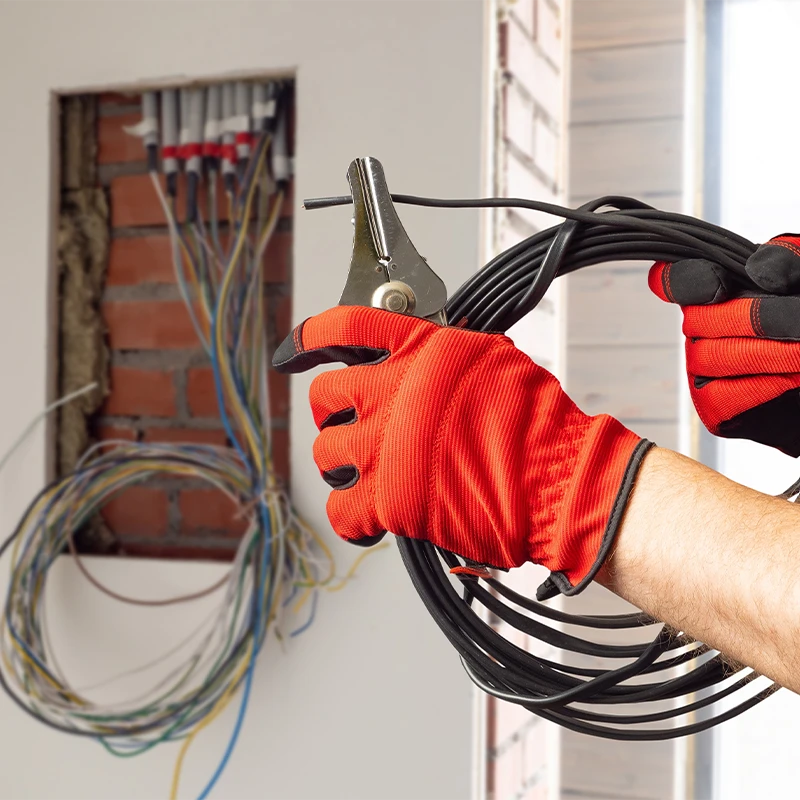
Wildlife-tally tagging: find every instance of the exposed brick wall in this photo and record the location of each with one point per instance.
(161, 383)
(529, 156)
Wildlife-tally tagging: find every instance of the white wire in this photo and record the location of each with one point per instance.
(31, 426)
(176, 255)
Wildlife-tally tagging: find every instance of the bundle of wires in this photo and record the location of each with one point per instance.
(281, 562)
(670, 685)
(665, 679)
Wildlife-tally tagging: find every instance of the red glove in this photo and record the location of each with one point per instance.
(459, 438)
(742, 348)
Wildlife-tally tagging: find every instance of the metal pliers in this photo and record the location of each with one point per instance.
(386, 271)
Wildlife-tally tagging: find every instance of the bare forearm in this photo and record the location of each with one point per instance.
(714, 559)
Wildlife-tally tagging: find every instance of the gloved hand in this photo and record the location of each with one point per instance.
(742, 347)
(459, 438)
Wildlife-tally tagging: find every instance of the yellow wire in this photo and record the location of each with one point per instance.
(225, 368)
(350, 574)
(217, 709)
(204, 320)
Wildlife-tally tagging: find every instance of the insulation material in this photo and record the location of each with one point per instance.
(83, 240)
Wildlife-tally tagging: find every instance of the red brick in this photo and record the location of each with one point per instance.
(119, 98)
(140, 259)
(277, 258)
(201, 393)
(210, 510)
(114, 145)
(202, 397)
(280, 452)
(139, 511)
(149, 325)
(134, 201)
(168, 550)
(288, 200)
(283, 318)
(108, 432)
(278, 395)
(186, 436)
(140, 392)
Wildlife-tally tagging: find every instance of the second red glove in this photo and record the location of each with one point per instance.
(459, 438)
(742, 348)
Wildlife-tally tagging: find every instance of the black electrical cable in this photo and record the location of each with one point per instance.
(661, 675)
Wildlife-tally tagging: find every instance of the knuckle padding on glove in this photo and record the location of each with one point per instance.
(775, 266)
(777, 318)
(694, 281)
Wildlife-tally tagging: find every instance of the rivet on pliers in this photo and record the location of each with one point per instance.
(386, 271)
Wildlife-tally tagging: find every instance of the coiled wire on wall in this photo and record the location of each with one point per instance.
(281, 562)
(664, 679)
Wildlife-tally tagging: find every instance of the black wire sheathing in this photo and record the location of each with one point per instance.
(656, 681)
(152, 157)
(192, 184)
(172, 185)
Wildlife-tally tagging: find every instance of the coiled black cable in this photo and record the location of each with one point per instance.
(669, 667)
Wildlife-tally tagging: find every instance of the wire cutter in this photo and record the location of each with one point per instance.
(386, 271)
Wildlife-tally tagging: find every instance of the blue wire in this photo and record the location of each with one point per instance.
(292, 594)
(261, 602)
(307, 624)
(251, 666)
(220, 393)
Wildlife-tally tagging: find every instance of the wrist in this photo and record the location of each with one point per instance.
(602, 476)
(622, 562)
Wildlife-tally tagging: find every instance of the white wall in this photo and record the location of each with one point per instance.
(755, 754)
(371, 702)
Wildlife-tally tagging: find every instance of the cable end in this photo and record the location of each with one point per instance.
(326, 202)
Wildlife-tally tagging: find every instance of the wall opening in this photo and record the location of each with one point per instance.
(123, 319)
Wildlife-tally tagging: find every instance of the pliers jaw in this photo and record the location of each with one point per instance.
(386, 271)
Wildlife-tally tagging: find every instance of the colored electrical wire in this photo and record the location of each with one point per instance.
(280, 557)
